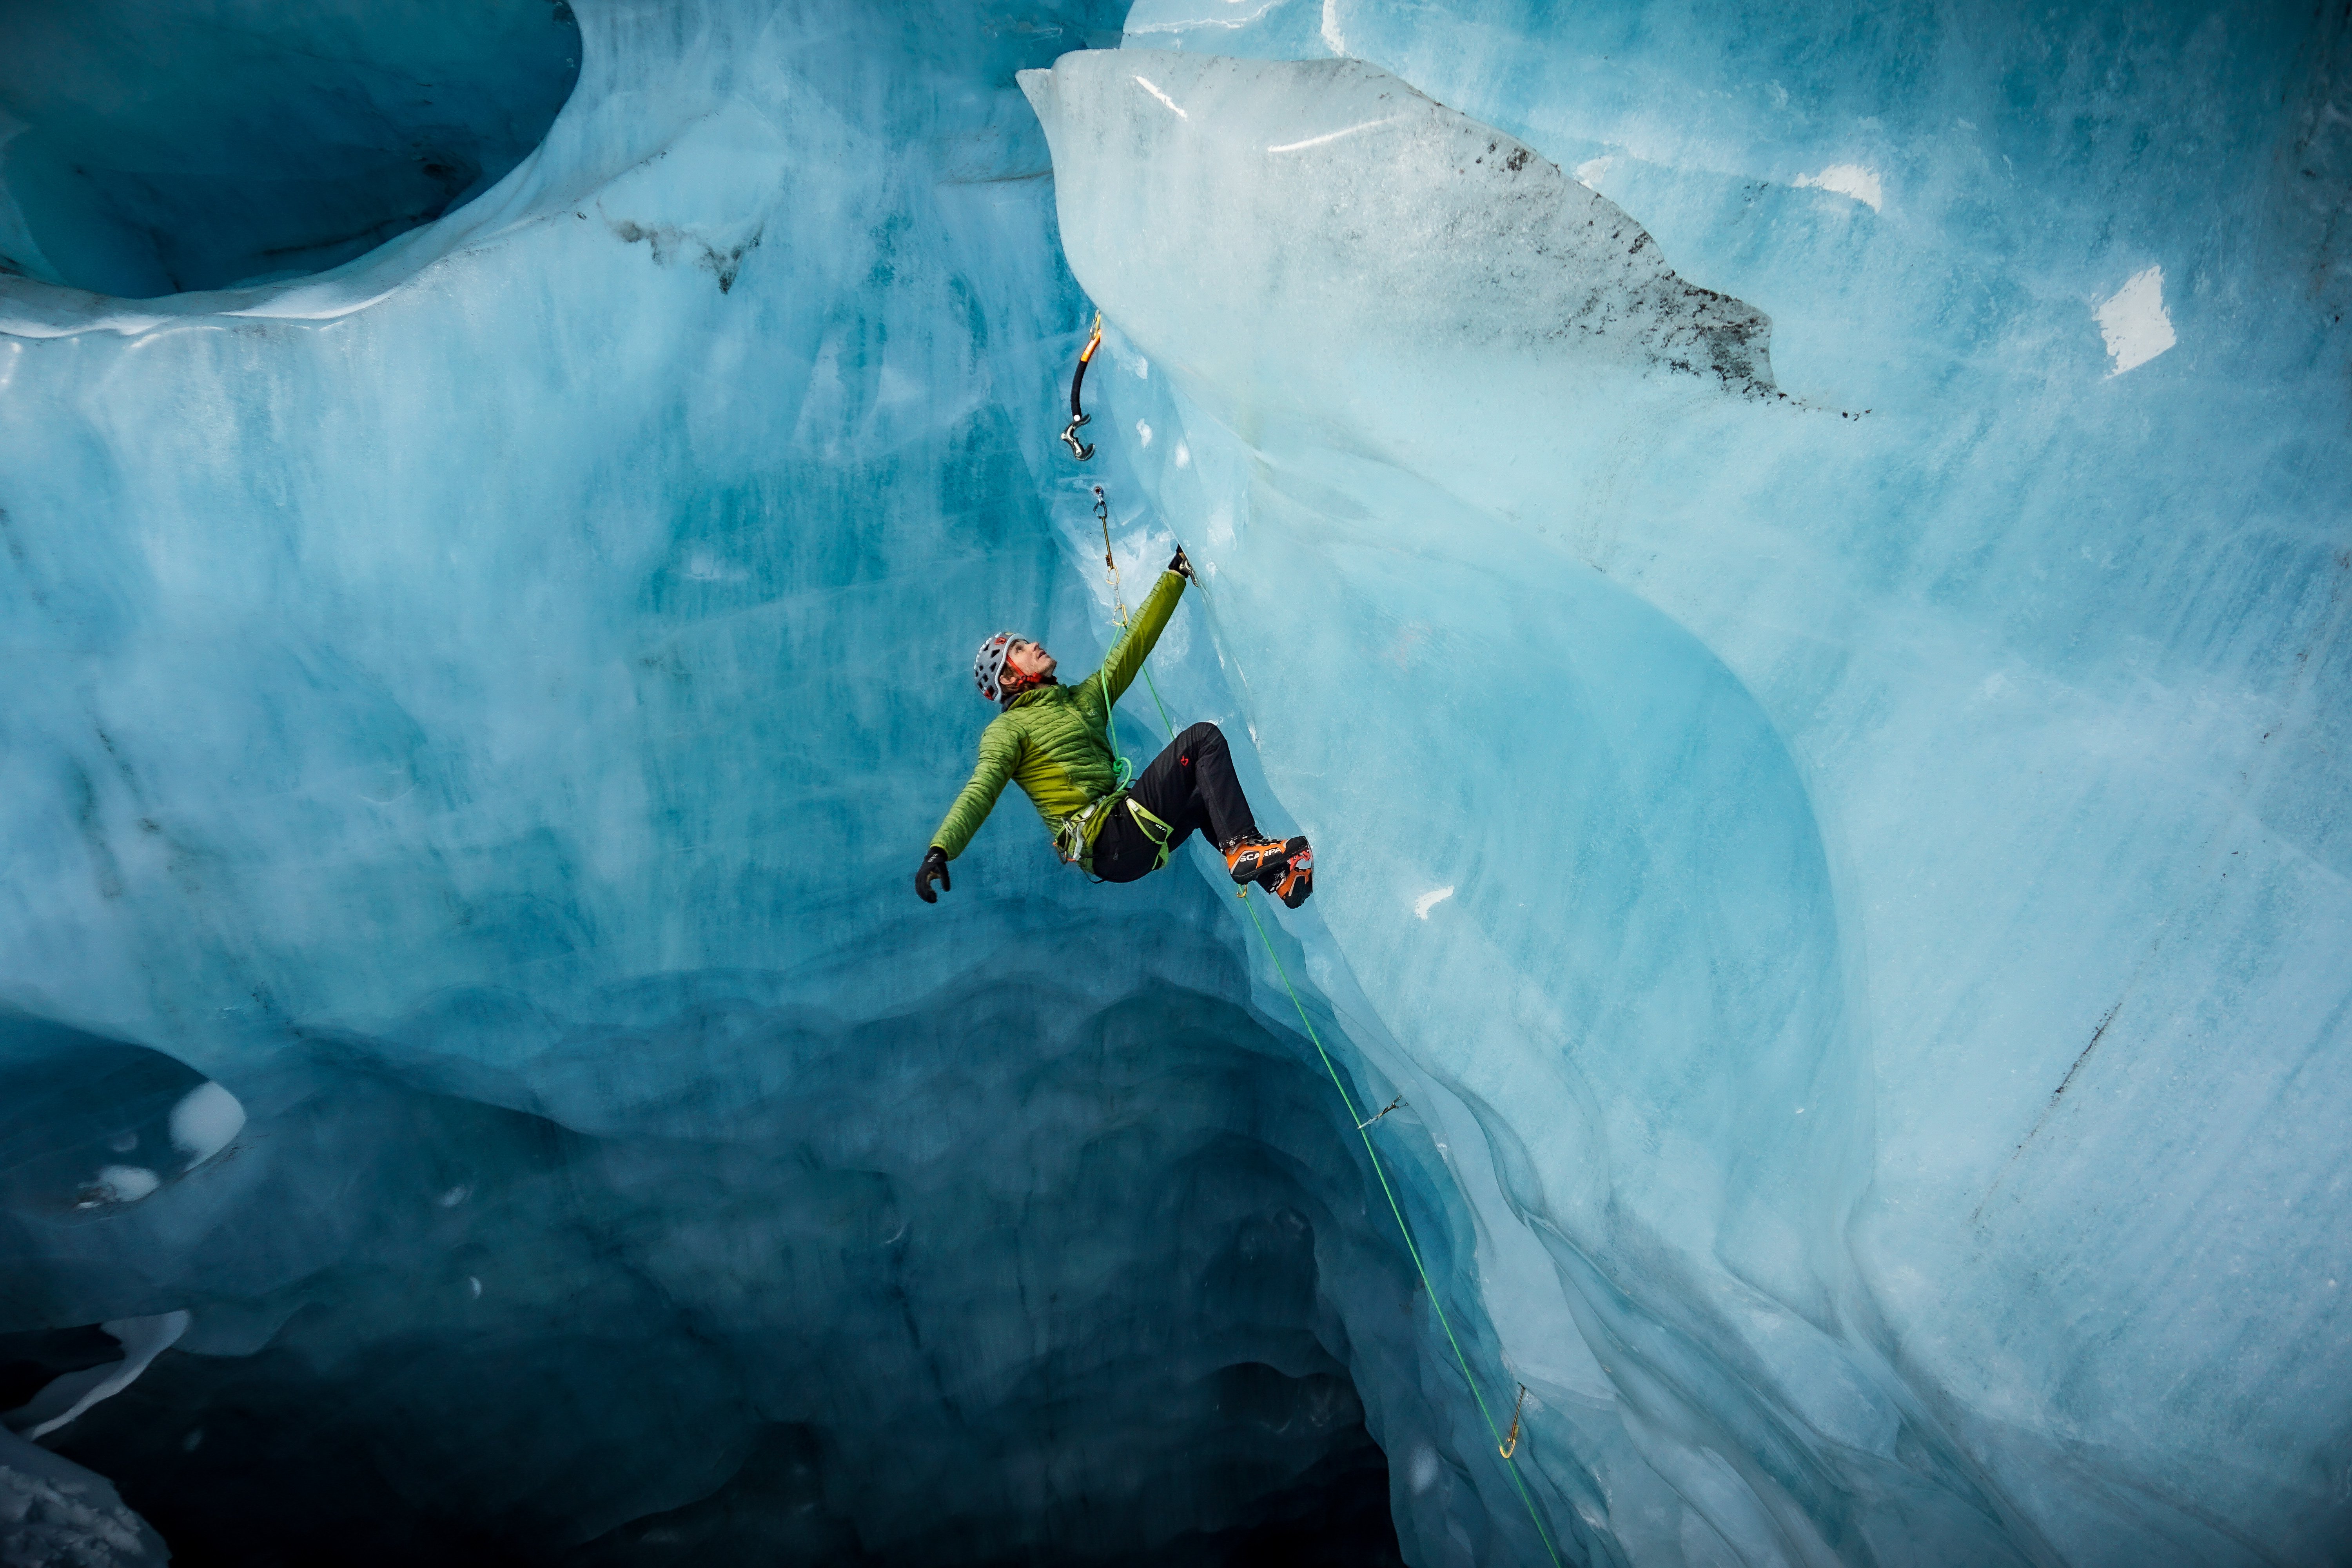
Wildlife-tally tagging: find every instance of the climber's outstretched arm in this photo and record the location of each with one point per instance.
(1000, 756)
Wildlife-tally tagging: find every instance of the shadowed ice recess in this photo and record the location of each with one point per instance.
(1793, 566)
(148, 147)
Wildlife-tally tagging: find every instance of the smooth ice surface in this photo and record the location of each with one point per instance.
(1827, 787)
(142, 1340)
(1899, 970)
(491, 698)
(95, 1123)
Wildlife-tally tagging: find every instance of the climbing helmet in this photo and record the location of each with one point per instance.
(988, 666)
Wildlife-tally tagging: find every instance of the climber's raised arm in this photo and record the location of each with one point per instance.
(1134, 645)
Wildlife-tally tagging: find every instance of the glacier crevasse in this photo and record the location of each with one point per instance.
(1839, 843)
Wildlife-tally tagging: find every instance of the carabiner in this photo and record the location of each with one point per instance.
(1511, 1443)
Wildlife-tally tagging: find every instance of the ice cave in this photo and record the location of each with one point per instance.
(1792, 564)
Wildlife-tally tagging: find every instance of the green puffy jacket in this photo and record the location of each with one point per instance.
(1052, 740)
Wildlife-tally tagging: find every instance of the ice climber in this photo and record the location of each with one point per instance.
(1052, 740)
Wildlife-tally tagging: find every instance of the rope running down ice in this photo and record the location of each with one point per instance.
(1506, 1448)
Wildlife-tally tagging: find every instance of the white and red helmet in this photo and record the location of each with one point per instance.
(988, 666)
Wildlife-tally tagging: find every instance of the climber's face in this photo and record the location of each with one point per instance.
(1030, 658)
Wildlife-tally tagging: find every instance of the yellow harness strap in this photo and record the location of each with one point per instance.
(1071, 841)
(1147, 822)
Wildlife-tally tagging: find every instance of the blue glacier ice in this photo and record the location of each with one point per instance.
(1793, 564)
(149, 147)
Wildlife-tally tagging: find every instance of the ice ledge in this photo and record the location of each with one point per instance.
(1190, 186)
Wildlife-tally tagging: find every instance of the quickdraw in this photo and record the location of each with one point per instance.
(1078, 415)
(1126, 771)
(1511, 1443)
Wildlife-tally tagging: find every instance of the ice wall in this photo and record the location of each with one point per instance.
(62, 1516)
(1018, 1273)
(1849, 884)
(481, 707)
(1866, 858)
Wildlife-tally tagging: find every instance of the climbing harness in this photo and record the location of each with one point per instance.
(1157, 831)
(1078, 415)
(1071, 840)
(1506, 1447)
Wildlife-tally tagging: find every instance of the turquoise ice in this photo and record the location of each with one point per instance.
(1793, 567)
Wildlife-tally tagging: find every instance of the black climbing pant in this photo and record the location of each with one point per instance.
(1190, 785)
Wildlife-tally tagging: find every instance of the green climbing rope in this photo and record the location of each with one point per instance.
(1371, 1154)
(1364, 1128)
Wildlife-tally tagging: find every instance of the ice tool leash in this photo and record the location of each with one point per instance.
(1507, 1447)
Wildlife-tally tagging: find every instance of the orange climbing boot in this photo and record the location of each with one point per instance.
(1292, 879)
(1249, 859)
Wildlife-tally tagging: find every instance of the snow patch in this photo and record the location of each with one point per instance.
(204, 1122)
(1430, 900)
(1848, 180)
(2133, 322)
(121, 1185)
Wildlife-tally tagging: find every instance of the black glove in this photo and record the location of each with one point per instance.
(935, 866)
(1181, 565)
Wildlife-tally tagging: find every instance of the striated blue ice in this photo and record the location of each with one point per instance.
(1794, 568)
